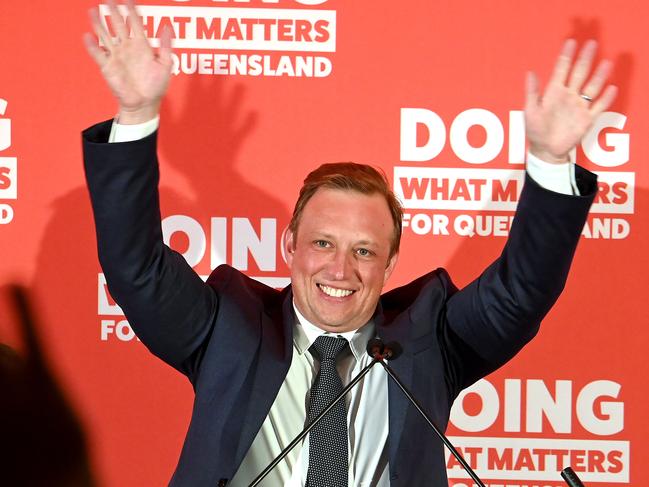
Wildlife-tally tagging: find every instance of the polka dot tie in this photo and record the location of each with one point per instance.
(328, 457)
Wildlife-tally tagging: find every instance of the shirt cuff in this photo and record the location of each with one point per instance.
(129, 133)
(559, 178)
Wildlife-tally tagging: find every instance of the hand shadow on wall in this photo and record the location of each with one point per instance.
(203, 142)
(122, 392)
(475, 254)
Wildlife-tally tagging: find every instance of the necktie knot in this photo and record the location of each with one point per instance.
(328, 347)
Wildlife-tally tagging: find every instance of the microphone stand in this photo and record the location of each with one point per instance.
(442, 436)
(315, 421)
(391, 349)
(379, 353)
(571, 478)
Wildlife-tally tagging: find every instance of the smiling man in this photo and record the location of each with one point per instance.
(264, 362)
(349, 230)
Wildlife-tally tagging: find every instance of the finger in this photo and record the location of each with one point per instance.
(582, 66)
(604, 101)
(164, 53)
(117, 21)
(100, 30)
(531, 90)
(134, 20)
(96, 52)
(562, 67)
(596, 83)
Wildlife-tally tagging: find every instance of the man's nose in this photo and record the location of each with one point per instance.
(341, 265)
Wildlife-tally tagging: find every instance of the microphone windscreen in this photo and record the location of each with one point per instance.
(392, 350)
(375, 348)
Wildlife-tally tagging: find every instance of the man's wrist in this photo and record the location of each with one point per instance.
(137, 116)
(557, 177)
(129, 132)
(548, 157)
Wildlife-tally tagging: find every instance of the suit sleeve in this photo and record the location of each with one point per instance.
(499, 312)
(166, 302)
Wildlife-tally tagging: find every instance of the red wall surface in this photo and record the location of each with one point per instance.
(410, 86)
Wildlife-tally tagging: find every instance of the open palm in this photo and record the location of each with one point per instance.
(135, 73)
(558, 120)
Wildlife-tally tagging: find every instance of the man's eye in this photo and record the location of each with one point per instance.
(321, 243)
(363, 252)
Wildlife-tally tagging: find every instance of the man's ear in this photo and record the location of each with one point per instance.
(392, 263)
(289, 247)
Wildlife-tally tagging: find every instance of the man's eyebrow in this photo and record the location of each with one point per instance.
(319, 234)
(323, 235)
(367, 242)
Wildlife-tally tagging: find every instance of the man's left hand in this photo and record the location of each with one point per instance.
(558, 120)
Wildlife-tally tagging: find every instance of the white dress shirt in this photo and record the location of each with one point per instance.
(367, 415)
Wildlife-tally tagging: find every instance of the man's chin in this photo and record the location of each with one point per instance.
(337, 326)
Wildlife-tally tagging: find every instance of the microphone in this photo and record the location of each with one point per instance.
(571, 478)
(382, 351)
(375, 348)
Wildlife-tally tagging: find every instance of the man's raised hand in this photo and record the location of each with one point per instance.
(135, 73)
(559, 119)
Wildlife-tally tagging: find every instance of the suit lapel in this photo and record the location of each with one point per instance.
(270, 368)
(396, 331)
(274, 359)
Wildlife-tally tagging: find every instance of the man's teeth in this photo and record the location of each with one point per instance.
(335, 293)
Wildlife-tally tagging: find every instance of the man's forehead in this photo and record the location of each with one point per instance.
(333, 211)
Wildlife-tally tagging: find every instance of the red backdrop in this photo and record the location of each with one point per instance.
(258, 101)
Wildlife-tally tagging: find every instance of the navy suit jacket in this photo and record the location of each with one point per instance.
(232, 337)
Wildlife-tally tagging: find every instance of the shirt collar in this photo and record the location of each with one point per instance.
(305, 333)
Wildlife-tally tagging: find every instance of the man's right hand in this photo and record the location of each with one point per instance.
(136, 74)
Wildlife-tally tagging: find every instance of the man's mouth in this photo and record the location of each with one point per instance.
(335, 292)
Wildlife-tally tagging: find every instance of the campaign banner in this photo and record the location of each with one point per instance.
(264, 91)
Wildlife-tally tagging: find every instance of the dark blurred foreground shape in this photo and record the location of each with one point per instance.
(42, 442)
